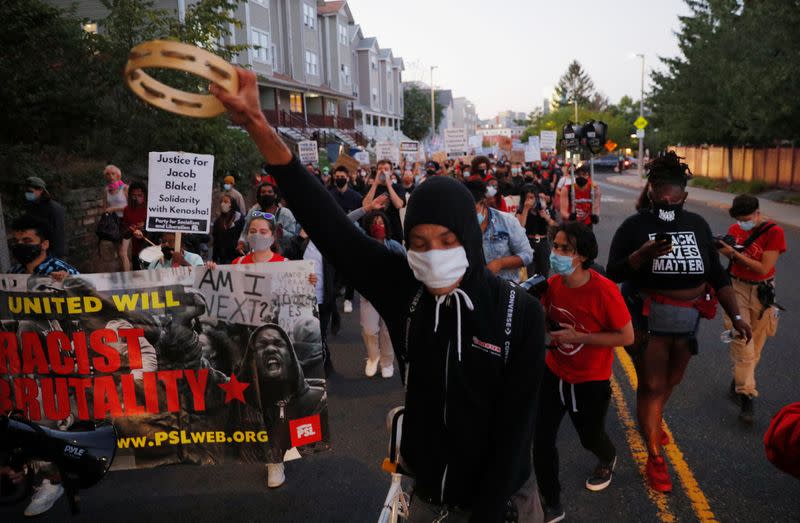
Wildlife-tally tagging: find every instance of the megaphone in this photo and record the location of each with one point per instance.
(82, 457)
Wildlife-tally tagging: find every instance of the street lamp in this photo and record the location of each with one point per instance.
(433, 114)
(640, 166)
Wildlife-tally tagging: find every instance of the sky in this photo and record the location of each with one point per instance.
(509, 54)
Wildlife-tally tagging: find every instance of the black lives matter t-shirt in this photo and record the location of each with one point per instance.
(692, 262)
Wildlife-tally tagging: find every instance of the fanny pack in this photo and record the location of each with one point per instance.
(670, 316)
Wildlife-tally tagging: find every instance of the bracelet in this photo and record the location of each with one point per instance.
(183, 57)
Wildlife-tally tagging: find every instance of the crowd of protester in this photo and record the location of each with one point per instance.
(534, 219)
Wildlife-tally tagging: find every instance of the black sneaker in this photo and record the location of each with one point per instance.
(601, 477)
(553, 513)
(747, 414)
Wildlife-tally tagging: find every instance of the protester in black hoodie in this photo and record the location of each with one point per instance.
(472, 345)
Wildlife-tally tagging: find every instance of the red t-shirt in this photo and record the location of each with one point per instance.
(772, 240)
(248, 258)
(594, 307)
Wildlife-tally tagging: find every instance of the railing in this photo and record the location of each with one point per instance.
(315, 122)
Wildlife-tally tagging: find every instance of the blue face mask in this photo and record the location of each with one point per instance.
(227, 186)
(561, 264)
(480, 218)
(30, 196)
(748, 225)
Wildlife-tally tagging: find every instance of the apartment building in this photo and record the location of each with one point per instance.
(318, 74)
(464, 115)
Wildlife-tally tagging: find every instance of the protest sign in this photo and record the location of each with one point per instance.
(348, 161)
(362, 157)
(476, 142)
(533, 152)
(190, 364)
(387, 151)
(504, 143)
(455, 141)
(179, 192)
(517, 156)
(548, 140)
(308, 151)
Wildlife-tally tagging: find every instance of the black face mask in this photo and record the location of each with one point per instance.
(167, 251)
(266, 201)
(480, 172)
(26, 252)
(529, 179)
(340, 182)
(667, 212)
(430, 172)
(581, 181)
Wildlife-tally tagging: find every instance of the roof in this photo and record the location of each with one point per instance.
(329, 8)
(398, 62)
(444, 97)
(384, 53)
(367, 43)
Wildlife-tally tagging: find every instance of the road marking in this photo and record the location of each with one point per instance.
(639, 452)
(691, 488)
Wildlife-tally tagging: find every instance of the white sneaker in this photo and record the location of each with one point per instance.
(348, 306)
(275, 475)
(371, 368)
(387, 372)
(43, 498)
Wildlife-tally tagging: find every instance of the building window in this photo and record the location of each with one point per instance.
(311, 63)
(373, 64)
(345, 74)
(391, 105)
(261, 46)
(342, 34)
(309, 15)
(374, 94)
(296, 102)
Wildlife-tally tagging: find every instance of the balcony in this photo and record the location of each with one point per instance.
(292, 119)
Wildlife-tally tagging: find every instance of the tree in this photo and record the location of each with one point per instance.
(417, 112)
(575, 84)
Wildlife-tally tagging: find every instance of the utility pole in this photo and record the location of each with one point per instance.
(433, 104)
(640, 161)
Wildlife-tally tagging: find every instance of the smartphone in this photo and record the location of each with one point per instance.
(663, 237)
(554, 326)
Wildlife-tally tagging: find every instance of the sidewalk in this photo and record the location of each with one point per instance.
(783, 213)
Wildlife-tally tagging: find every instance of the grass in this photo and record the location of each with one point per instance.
(794, 199)
(736, 187)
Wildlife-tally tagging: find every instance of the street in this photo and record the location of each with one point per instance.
(717, 464)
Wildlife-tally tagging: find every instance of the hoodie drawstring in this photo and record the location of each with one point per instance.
(572, 392)
(458, 294)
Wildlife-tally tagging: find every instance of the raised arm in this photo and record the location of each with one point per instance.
(336, 237)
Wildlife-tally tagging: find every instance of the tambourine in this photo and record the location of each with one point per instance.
(183, 57)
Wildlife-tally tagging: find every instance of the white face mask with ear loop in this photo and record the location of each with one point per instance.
(439, 268)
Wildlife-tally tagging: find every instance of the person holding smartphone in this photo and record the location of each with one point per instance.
(667, 254)
(587, 318)
(536, 213)
(382, 184)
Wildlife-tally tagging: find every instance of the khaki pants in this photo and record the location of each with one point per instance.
(376, 335)
(745, 356)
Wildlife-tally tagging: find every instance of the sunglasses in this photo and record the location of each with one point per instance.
(260, 214)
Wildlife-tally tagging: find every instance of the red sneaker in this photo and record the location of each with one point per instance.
(657, 475)
(664, 438)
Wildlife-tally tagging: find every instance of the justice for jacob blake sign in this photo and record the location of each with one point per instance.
(179, 192)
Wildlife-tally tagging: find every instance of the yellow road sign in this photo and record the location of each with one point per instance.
(640, 122)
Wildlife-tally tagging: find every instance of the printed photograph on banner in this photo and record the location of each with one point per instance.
(191, 365)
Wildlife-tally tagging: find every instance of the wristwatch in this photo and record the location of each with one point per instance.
(738, 317)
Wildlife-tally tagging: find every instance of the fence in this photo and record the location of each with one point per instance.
(775, 166)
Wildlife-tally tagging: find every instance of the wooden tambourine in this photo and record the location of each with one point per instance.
(183, 57)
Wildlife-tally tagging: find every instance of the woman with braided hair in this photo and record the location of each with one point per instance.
(667, 258)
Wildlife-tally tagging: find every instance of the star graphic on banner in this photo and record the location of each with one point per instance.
(234, 389)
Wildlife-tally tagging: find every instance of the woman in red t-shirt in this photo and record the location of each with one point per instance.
(752, 267)
(587, 317)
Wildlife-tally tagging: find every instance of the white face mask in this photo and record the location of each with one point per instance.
(491, 191)
(438, 268)
(225, 207)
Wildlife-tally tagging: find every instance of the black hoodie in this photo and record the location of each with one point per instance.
(469, 413)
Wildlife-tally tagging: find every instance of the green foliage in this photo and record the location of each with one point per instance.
(574, 84)
(620, 126)
(735, 187)
(417, 115)
(66, 109)
(734, 81)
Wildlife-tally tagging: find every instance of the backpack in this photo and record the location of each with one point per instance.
(108, 227)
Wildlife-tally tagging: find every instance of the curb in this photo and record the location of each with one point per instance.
(715, 205)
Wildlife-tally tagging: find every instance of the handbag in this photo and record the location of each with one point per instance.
(108, 227)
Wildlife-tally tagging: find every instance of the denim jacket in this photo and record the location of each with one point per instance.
(504, 236)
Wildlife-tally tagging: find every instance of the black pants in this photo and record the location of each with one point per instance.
(541, 257)
(587, 405)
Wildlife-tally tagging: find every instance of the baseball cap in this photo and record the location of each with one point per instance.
(228, 179)
(36, 182)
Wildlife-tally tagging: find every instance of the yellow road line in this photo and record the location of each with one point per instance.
(690, 486)
(639, 452)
